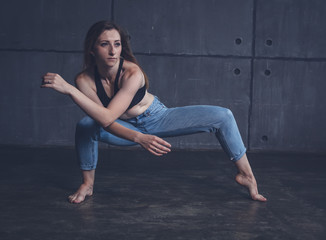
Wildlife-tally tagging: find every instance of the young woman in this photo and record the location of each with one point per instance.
(112, 90)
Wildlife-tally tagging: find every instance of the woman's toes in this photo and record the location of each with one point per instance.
(71, 198)
(251, 185)
(259, 197)
(79, 196)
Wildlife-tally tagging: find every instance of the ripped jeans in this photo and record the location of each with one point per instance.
(163, 122)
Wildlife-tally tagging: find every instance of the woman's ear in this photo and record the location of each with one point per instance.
(92, 53)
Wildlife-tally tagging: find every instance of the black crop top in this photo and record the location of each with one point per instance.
(104, 97)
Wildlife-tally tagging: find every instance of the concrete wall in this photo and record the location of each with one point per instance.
(265, 60)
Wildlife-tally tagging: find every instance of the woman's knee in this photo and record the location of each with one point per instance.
(224, 114)
(228, 113)
(86, 124)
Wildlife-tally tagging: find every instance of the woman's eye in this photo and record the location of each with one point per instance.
(117, 44)
(104, 44)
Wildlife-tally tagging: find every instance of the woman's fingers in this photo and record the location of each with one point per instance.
(155, 153)
(159, 146)
(158, 150)
(56, 82)
(48, 79)
(155, 145)
(163, 143)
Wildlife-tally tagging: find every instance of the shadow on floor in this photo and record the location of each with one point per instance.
(184, 195)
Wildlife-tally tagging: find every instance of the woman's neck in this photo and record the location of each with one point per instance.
(108, 73)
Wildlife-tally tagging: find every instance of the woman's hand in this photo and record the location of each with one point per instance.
(56, 82)
(154, 144)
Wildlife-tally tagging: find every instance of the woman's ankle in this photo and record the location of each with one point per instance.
(88, 177)
(89, 185)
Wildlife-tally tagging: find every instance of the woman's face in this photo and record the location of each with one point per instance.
(107, 48)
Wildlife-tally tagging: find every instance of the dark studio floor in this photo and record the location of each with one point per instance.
(184, 195)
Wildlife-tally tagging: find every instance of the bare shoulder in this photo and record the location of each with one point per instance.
(132, 71)
(84, 79)
(85, 83)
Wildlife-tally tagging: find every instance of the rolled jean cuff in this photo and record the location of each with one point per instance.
(87, 168)
(237, 158)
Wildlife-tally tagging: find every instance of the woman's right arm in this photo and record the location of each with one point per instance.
(153, 144)
(102, 115)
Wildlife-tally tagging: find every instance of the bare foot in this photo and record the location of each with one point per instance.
(251, 184)
(79, 196)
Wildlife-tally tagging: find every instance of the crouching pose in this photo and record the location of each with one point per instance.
(112, 90)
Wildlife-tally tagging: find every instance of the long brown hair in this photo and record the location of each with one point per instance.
(92, 35)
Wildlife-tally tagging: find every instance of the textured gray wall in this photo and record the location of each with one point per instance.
(265, 60)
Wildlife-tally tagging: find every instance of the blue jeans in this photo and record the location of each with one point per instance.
(163, 122)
